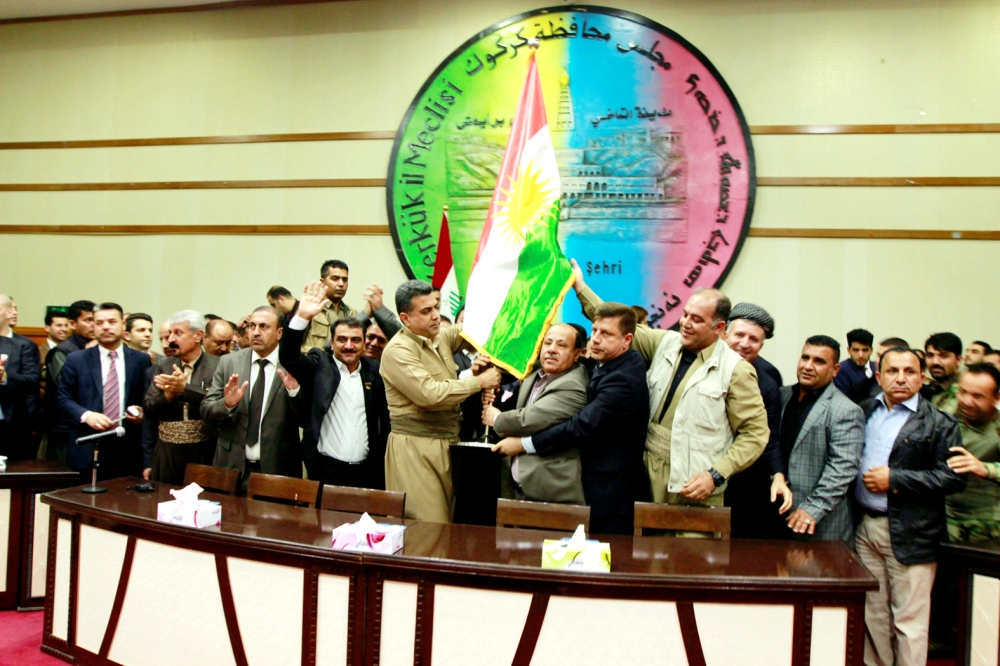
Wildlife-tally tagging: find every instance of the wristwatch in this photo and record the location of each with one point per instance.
(716, 477)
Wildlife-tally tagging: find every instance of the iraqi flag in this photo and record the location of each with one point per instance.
(520, 274)
(444, 272)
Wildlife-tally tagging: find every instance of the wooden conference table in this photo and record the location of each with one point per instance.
(266, 588)
(978, 568)
(23, 547)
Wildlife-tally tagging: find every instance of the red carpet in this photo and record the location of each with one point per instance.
(19, 640)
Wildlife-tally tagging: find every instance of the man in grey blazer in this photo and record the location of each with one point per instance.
(252, 404)
(553, 394)
(822, 434)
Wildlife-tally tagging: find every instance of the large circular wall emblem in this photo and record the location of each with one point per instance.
(654, 155)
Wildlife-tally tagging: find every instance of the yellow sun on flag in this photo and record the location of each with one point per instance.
(529, 197)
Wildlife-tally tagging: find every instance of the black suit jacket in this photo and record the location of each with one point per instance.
(19, 395)
(919, 479)
(82, 390)
(54, 361)
(319, 376)
(611, 434)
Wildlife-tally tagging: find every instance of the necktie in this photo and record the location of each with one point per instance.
(112, 400)
(256, 405)
(188, 371)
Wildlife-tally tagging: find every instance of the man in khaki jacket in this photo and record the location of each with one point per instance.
(707, 418)
(425, 399)
(334, 275)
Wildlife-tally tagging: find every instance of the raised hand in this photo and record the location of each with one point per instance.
(313, 300)
(579, 284)
(234, 392)
(373, 296)
(290, 382)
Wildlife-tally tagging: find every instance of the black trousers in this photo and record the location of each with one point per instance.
(339, 473)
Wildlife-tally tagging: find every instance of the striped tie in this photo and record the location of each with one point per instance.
(112, 401)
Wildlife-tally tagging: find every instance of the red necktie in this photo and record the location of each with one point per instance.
(112, 401)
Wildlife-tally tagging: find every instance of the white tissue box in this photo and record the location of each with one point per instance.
(577, 553)
(200, 513)
(382, 538)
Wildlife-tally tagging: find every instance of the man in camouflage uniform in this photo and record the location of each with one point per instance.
(974, 514)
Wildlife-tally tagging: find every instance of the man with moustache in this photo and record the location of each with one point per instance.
(707, 419)
(100, 388)
(944, 358)
(348, 422)
(251, 402)
(900, 492)
(553, 394)
(58, 429)
(333, 274)
(974, 513)
(751, 493)
(375, 342)
(174, 398)
(218, 337)
(424, 397)
(139, 334)
(822, 433)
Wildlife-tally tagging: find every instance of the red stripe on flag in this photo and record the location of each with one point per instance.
(528, 119)
(442, 262)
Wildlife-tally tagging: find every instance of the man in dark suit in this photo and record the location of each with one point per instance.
(610, 430)
(174, 398)
(98, 388)
(19, 376)
(900, 494)
(347, 426)
(58, 429)
(555, 392)
(252, 407)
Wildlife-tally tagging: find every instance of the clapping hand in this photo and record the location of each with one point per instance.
(234, 392)
(173, 384)
(313, 300)
(372, 296)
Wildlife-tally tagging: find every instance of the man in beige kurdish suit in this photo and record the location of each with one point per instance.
(425, 399)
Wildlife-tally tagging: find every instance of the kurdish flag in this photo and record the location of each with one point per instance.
(520, 274)
(444, 272)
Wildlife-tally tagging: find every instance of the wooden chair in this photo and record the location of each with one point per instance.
(216, 479)
(682, 518)
(363, 500)
(284, 489)
(542, 515)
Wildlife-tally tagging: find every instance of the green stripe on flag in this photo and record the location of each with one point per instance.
(544, 275)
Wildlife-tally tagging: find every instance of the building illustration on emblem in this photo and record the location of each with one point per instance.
(627, 183)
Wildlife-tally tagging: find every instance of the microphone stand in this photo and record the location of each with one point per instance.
(93, 488)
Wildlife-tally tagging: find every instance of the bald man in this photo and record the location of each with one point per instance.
(707, 418)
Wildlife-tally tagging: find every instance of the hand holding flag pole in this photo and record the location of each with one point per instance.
(489, 379)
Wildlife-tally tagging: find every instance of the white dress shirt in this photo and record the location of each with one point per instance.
(119, 368)
(344, 433)
(270, 372)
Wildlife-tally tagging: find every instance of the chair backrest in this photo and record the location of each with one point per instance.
(542, 515)
(682, 518)
(363, 500)
(216, 479)
(300, 492)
